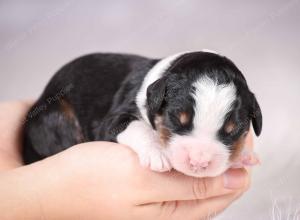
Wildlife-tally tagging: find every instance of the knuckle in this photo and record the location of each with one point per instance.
(200, 188)
(168, 209)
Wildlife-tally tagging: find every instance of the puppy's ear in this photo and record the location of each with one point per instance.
(256, 116)
(155, 97)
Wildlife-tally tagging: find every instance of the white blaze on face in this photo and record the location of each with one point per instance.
(200, 153)
(213, 102)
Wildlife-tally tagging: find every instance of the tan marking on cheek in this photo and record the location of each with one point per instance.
(184, 118)
(163, 132)
(238, 147)
(230, 126)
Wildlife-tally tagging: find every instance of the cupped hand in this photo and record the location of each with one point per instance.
(102, 180)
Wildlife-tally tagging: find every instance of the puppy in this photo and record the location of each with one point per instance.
(190, 111)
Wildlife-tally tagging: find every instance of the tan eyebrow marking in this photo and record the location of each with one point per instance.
(184, 118)
(164, 133)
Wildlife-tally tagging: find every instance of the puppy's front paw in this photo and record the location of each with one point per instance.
(154, 160)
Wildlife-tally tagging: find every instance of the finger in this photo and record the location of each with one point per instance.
(176, 186)
(198, 209)
(189, 210)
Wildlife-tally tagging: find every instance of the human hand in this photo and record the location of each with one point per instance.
(102, 180)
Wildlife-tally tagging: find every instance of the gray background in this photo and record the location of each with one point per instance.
(261, 37)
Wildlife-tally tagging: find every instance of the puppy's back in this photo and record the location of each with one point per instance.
(79, 95)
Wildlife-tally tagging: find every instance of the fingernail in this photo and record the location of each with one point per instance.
(234, 179)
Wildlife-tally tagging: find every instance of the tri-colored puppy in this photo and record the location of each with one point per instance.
(190, 111)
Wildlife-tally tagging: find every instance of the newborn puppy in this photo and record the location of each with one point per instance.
(190, 111)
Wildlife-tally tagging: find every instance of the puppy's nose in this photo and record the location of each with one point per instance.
(199, 161)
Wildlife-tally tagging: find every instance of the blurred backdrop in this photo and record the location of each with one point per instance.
(261, 37)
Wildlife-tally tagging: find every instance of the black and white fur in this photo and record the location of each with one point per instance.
(189, 111)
